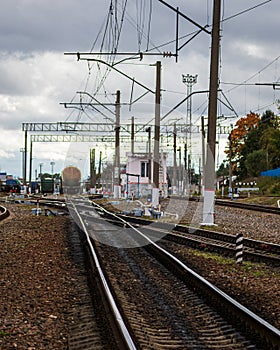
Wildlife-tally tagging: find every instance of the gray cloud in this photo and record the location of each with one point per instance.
(35, 76)
(48, 25)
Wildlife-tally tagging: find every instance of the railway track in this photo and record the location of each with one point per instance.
(4, 213)
(91, 329)
(224, 244)
(236, 204)
(160, 302)
(248, 206)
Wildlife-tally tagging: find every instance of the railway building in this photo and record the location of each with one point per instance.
(137, 181)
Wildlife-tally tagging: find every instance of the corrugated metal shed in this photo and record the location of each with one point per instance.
(271, 173)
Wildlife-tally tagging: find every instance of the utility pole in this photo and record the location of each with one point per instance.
(22, 151)
(174, 161)
(41, 167)
(117, 190)
(230, 189)
(155, 195)
(209, 176)
(25, 157)
(180, 181)
(132, 135)
(30, 162)
(203, 154)
(52, 163)
(148, 130)
(92, 168)
(99, 169)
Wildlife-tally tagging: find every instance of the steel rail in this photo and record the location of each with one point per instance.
(256, 207)
(254, 322)
(124, 331)
(4, 213)
(248, 242)
(267, 247)
(264, 251)
(224, 250)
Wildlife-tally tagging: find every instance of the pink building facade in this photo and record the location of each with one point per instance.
(138, 178)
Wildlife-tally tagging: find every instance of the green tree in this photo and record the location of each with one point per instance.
(270, 141)
(223, 169)
(256, 162)
(253, 133)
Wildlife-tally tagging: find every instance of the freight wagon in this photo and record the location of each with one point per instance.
(47, 185)
(71, 180)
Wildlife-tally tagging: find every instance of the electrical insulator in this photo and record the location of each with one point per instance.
(167, 54)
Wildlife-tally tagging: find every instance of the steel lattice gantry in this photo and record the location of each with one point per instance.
(77, 127)
(75, 132)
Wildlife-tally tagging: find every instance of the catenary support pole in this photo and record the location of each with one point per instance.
(99, 168)
(155, 195)
(230, 189)
(132, 135)
(30, 163)
(117, 191)
(203, 154)
(92, 169)
(25, 157)
(174, 160)
(209, 176)
(148, 130)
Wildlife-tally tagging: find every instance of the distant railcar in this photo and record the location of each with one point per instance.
(47, 185)
(11, 185)
(71, 180)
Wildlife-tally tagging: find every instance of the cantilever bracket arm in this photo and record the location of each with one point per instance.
(274, 85)
(119, 71)
(184, 99)
(179, 13)
(185, 17)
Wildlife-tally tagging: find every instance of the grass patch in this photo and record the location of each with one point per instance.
(217, 258)
(4, 334)
(255, 269)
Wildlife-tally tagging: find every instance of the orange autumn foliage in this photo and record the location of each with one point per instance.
(241, 129)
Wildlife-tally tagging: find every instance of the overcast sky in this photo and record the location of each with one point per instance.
(36, 76)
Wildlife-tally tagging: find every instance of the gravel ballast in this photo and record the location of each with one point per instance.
(40, 281)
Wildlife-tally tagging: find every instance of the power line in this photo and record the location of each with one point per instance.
(244, 11)
(254, 75)
(248, 84)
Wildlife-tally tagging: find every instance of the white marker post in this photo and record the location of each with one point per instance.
(239, 248)
(37, 208)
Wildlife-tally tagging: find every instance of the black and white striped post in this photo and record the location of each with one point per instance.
(239, 248)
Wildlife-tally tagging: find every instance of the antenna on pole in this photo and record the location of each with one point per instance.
(189, 81)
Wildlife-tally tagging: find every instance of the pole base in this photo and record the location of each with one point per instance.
(208, 207)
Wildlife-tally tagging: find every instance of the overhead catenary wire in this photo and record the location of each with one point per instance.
(112, 34)
(140, 8)
(109, 42)
(244, 11)
(149, 23)
(244, 82)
